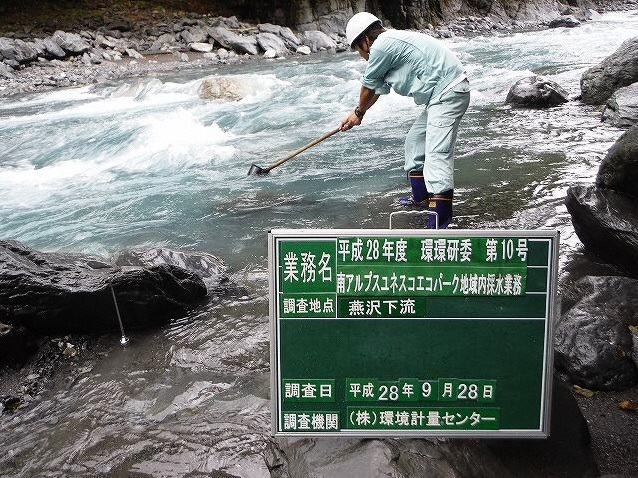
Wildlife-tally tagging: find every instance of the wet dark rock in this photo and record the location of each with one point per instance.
(619, 168)
(622, 108)
(567, 451)
(593, 343)
(212, 270)
(64, 292)
(9, 403)
(15, 345)
(619, 69)
(581, 264)
(566, 21)
(536, 92)
(606, 223)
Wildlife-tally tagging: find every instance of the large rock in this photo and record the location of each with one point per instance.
(222, 88)
(593, 343)
(317, 40)
(617, 70)
(536, 92)
(71, 293)
(71, 43)
(17, 50)
(606, 223)
(239, 43)
(567, 451)
(212, 270)
(194, 35)
(622, 108)
(269, 41)
(286, 34)
(619, 168)
(566, 21)
(52, 49)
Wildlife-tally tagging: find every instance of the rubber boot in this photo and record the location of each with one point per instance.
(419, 191)
(441, 204)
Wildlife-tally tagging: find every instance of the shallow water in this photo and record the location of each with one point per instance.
(148, 162)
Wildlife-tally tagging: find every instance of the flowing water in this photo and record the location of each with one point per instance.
(148, 162)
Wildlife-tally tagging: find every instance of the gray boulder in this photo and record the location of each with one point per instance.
(617, 70)
(622, 108)
(26, 52)
(165, 42)
(17, 51)
(567, 21)
(536, 92)
(71, 293)
(6, 71)
(290, 39)
(201, 47)
(317, 40)
(269, 41)
(7, 49)
(104, 42)
(52, 49)
(619, 168)
(606, 223)
(194, 35)
(239, 43)
(71, 43)
(593, 343)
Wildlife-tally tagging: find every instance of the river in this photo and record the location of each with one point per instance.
(148, 162)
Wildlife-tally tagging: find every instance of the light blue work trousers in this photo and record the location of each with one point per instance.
(430, 142)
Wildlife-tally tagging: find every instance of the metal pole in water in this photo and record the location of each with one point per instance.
(124, 339)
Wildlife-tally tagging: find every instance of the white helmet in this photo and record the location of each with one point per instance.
(358, 24)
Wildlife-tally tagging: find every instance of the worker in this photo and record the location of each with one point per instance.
(417, 65)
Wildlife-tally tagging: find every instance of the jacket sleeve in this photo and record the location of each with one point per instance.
(374, 77)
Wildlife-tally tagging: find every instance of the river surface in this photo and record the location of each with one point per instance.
(148, 162)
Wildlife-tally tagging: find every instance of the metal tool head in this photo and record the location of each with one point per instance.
(256, 170)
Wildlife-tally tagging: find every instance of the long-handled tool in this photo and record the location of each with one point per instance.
(254, 169)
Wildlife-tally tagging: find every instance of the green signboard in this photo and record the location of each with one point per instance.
(411, 332)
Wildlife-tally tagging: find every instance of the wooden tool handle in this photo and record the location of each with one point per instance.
(302, 149)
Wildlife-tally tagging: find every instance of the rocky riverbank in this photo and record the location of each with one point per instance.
(37, 59)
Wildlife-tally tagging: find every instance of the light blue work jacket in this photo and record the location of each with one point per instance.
(413, 64)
